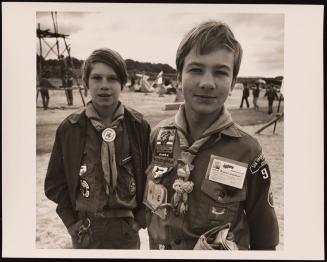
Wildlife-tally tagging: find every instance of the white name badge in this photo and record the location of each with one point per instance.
(226, 171)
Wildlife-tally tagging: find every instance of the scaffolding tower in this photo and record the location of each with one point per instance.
(60, 48)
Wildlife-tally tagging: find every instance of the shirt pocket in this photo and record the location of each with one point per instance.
(86, 191)
(126, 179)
(224, 202)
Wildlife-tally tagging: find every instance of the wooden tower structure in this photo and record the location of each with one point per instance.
(60, 49)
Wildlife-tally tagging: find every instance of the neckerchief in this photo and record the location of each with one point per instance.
(108, 156)
(181, 185)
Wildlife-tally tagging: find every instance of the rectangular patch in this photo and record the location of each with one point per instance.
(164, 147)
(155, 196)
(226, 171)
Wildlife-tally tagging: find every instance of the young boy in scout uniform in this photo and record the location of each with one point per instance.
(207, 172)
(96, 172)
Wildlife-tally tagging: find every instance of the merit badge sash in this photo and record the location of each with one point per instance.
(164, 147)
(156, 198)
(226, 171)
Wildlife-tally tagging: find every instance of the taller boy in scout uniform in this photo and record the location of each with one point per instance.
(207, 172)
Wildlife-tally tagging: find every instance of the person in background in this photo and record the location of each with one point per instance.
(271, 95)
(96, 172)
(245, 95)
(45, 84)
(206, 171)
(255, 93)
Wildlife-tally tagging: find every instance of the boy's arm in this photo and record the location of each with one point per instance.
(55, 184)
(259, 208)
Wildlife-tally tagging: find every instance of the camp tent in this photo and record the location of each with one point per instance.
(143, 86)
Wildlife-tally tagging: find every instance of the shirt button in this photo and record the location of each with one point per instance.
(221, 195)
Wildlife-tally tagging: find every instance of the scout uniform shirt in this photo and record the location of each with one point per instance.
(92, 197)
(231, 184)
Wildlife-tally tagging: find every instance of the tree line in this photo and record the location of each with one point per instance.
(52, 68)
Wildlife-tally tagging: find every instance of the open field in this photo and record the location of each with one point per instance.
(50, 231)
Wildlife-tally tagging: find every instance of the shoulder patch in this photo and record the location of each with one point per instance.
(260, 166)
(164, 147)
(270, 197)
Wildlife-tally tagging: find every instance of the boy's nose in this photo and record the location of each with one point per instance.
(207, 82)
(105, 83)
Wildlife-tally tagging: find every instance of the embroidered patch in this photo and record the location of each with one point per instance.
(132, 186)
(226, 171)
(166, 136)
(156, 196)
(164, 148)
(259, 162)
(260, 166)
(84, 188)
(270, 198)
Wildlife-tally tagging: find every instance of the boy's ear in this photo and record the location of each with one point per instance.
(233, 84)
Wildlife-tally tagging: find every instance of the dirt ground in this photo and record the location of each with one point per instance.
(50, 231)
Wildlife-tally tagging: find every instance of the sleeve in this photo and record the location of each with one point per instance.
(55, 184)
(259, 206)
(139, 212)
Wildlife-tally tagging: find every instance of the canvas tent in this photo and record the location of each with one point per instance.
(142, 85)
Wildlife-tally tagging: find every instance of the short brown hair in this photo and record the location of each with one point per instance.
(207, 37)
(108, 57)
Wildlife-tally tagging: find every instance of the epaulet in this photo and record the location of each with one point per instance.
(169, 122)
(135, 114)
(76, 116)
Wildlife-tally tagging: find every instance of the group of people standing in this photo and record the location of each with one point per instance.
(271, 95)
(195, 181)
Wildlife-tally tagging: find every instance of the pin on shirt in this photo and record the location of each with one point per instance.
(108, 135)
(84, 188)
(82, 170)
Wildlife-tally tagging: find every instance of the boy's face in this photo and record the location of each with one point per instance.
(207, 80)
(104, 85)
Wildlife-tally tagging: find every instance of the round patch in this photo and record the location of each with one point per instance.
(132, 187)
(108, 135)
(270, 198)
(85, 188)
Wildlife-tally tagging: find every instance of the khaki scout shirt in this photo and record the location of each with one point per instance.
(249, 209)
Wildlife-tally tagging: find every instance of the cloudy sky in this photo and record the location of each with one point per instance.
(151, 33)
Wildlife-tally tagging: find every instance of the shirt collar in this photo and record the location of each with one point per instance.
(223, 124)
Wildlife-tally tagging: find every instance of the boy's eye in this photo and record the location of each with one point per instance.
(221, 72)
(97, 78)
(108, 78)
(112, 78)
(195, 70)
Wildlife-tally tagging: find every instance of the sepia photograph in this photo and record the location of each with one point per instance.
(161, 127)
(242, 86)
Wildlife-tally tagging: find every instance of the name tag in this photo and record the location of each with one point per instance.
(226, 171)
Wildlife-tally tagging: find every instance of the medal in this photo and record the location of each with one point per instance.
(108, 135)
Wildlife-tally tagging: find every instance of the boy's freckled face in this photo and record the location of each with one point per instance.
(207, 80)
